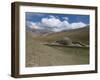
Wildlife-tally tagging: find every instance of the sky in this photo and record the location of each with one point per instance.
(55, 22)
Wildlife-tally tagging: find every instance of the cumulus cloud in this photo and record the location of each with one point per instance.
(78, 25)
(32, 25)
(66, 18)
(51, 16)
(51, 22)
(55, 24)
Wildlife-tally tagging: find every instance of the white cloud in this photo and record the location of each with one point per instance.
(32, 25)
(77, 25)
(66, 18)
(55, 24)
(51, 16)
(51, 22)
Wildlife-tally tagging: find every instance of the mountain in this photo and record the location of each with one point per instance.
(80, 34)
(38, 54)
(38, 31)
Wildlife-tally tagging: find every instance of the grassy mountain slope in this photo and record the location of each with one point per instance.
(38, 54)
(81, 34)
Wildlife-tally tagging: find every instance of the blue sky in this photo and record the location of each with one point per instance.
(55, 21)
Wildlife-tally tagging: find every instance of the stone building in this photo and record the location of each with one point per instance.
(64, 41)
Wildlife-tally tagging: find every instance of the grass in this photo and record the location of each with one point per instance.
(38, 54)
(81, 55)
(81, 35)
(42, 55)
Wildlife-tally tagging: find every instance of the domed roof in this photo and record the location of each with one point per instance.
(65, 41)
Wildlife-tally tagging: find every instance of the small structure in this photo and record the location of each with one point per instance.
(77, 43)
(65, 41)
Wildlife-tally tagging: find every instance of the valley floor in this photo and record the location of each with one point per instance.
(44, 55)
